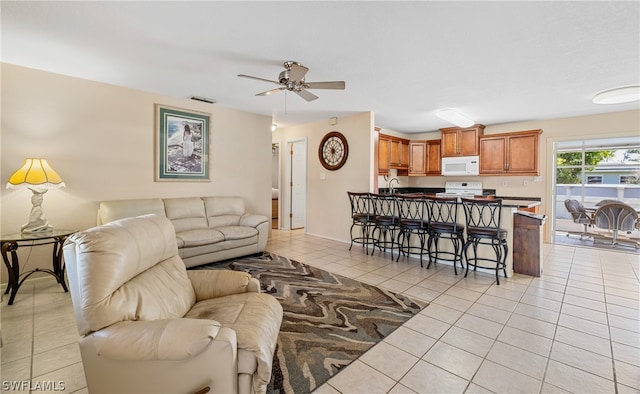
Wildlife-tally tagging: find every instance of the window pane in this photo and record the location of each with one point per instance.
(594, 179)
(569, 159)
(592, 158)
(629, 179)
(568, 176)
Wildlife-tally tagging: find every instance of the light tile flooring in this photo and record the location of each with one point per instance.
(576, 329)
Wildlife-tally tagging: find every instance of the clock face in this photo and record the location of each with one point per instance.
(333, 151)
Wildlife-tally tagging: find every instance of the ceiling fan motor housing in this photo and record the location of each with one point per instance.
(284, 77)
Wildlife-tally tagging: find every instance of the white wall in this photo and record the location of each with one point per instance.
(328, 208)
(100, 139)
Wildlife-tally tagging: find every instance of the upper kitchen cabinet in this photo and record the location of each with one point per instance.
(458, 141)
(384, 150)
(424, 158)
(434, 162)
(510, 153)
(417, 158)
(393, 152)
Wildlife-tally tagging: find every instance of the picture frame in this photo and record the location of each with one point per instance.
(181, 144)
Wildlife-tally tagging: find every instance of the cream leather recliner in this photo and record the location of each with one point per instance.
(148, 325)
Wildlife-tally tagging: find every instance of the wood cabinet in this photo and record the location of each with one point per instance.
(399, 157)
(510, 153)
(417, 158)
(434, 158)
(527, 244)
(393, 152)
(458, 141)
(424, 158)
(384, 149)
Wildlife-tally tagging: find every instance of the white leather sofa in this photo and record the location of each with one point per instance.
(148, 325)
(207, 229)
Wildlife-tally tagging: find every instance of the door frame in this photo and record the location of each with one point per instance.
(279, 184)
(286, 224)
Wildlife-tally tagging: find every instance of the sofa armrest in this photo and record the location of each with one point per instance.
(167, 339)
(252, 219)
(217, 283)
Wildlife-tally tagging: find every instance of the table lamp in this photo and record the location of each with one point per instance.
(38, 176)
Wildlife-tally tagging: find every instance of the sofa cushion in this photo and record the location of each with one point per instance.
(223, 210)
(186, 213)
(119, 209)
(256, 319)
(237, 232)
(224, 205)
(191, 238)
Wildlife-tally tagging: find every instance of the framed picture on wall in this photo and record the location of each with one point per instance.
(182, 144)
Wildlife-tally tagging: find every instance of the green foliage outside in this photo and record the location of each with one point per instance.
(573, 175)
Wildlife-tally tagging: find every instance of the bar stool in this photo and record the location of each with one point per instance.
(443, 224)
(387, 222)
(413, 220)
(362, 217)
(483, 219)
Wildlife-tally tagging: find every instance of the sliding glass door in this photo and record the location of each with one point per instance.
(591, 171)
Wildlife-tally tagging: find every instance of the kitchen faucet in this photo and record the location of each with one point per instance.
(392, 190)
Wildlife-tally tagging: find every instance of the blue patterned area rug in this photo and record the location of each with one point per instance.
(329, 320)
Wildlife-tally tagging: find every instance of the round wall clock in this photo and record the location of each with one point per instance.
(333, 151)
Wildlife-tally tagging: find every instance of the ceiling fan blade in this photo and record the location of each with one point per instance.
(297, 73)
(306, 95)
(325, 85)
(258, 78)
(268, 92)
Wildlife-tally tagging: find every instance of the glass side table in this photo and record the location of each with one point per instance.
(10, 244)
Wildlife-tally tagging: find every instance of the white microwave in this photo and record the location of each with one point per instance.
(461, 165)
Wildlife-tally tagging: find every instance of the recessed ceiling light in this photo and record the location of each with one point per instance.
(625, 94)
(454, 117)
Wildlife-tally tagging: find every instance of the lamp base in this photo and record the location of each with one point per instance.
(37, 222)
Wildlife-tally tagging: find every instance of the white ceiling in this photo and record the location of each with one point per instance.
(496, 62)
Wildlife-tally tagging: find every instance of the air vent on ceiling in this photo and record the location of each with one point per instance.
(203, 99)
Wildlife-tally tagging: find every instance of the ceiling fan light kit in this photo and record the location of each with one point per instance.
(292, 79)
(621, 95)
(454, 117)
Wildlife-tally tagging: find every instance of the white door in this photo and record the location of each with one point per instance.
(298, 184)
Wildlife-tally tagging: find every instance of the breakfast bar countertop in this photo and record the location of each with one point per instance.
(519, 202)
(507, 201)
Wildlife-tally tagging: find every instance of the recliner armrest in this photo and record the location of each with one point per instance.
(252, 219)
(218, 283)
(167, 339)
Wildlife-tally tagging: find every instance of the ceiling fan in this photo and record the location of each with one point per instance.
(292, 79)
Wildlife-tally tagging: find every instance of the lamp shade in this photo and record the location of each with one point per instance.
(35, 172)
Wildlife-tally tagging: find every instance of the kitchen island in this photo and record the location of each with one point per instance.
(510, 206)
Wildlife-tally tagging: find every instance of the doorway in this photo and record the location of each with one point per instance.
(296, 184)
(591, 172)
(275, 185)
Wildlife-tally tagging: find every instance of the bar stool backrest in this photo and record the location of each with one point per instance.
(443, 210)
(385, 206)
(412, 207)
(361, 206)
(483, 214)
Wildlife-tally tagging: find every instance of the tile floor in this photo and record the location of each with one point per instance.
(576, 329)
